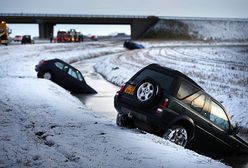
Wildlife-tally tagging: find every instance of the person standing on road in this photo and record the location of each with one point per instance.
(51, 37)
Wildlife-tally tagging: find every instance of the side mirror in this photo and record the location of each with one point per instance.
(10, 31)
(234, 130)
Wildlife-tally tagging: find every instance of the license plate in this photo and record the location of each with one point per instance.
(130, 89)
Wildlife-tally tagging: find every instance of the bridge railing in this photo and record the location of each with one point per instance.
(69, 15)
(115, 16)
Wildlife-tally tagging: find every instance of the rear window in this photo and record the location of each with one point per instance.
(59, 65)
(186, 90)
(164, 80)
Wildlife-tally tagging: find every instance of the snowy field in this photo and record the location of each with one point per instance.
(43, 125)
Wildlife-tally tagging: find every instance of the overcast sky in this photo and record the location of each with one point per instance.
(184, 8)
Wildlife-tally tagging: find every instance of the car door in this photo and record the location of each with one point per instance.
(73, 81)
(219, 127)
(197, 110)
(60, 73)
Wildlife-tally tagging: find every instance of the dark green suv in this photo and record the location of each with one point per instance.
(170, 104)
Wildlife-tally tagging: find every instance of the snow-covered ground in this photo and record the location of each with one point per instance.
(43, 125)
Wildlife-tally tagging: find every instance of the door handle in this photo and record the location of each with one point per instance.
(209, 124)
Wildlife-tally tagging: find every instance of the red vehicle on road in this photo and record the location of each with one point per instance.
(69, 36)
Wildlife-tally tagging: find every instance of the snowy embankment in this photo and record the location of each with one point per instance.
(201, 29)
(221, 70)
(43, 125)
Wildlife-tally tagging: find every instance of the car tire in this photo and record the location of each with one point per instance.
(178, 135)
(39, 75)
(122, 120)
(47, 75)
(147, 92)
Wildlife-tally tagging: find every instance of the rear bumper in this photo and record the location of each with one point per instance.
(147, 116)
(143, 121)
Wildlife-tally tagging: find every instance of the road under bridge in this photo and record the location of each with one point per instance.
(139, 24)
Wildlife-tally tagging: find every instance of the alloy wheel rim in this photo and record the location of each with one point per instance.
(145, 91)
(177, 135)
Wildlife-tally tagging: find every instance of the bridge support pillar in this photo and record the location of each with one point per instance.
(45, 30)
(140, 26)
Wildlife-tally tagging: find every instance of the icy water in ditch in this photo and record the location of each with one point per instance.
(103, 101)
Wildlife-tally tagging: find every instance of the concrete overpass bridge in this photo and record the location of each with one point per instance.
(139, 24)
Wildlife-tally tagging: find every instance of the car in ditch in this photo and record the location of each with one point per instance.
(169, 104)
(132, 45)
(64, 75)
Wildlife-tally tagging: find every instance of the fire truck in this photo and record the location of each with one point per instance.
(4, 33)
(69, 36)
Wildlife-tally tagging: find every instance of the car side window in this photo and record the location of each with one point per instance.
(185, 90)
(59, 65)
(65, 68)
(198, 103)
(72, 73)
(218, 116)
(80, 77)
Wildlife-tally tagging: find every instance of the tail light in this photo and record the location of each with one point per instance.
(121, 90)
(43, 62)
(163, 106)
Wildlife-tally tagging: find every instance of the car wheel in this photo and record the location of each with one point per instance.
(39, 75)
(123, 121)
(47, 75)
(147, 92)
(177, 134)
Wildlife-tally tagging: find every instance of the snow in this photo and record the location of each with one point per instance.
(43, 125)
(219, 30)
(202, 29)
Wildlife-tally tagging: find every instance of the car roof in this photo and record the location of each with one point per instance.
(56, 59)
(173, 72)
(59, 60)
